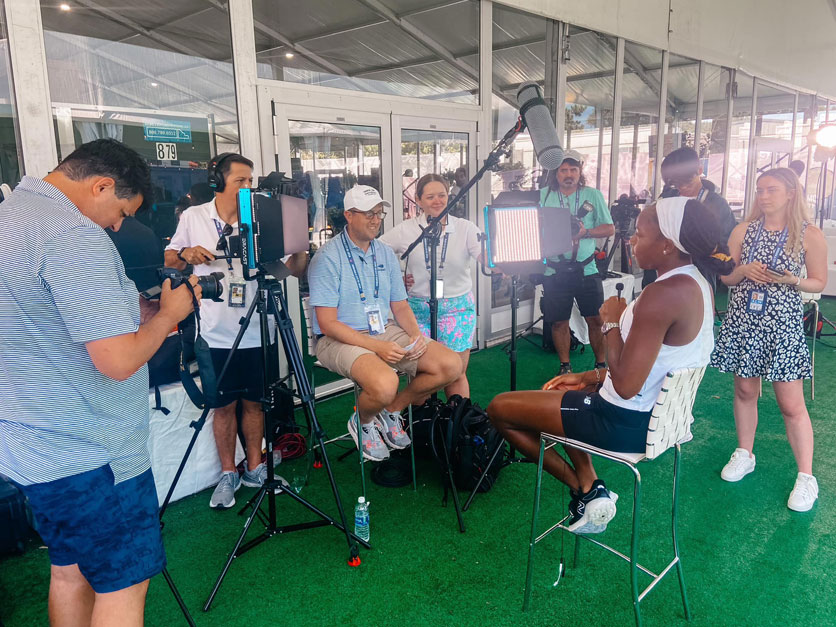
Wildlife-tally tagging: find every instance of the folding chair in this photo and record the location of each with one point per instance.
(669, 425)
(808, 298)
(306, 307)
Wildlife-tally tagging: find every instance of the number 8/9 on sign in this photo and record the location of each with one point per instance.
(166, 152)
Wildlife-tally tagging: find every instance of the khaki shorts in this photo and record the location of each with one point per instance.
(338, 357)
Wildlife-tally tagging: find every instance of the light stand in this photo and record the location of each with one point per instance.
(432, 232)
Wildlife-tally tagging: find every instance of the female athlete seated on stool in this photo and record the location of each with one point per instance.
(670, 326)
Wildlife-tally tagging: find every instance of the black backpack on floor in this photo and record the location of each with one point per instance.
(15, 519)
(471, 441)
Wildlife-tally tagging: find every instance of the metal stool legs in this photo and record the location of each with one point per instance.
(635, 567)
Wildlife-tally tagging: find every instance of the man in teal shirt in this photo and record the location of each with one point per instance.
(574, 277)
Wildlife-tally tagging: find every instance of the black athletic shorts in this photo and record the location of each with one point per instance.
(589, 418)
(243, 378)
(562, 289)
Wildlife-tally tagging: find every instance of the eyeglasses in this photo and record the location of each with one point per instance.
(370, 215)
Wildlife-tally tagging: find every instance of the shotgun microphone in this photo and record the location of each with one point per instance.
(540, 125)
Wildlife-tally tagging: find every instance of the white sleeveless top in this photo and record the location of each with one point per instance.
(695, 354)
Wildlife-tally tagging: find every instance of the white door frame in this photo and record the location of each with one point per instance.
(411, 122)
(279, 102)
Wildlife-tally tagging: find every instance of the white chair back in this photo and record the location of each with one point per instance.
(308, 311)
(672, 415)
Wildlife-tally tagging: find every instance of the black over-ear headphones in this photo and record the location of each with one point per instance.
(216, 178)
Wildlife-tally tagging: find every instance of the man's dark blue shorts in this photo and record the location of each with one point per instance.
(111, 531)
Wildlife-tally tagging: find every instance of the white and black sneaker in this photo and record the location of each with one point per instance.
(591, 512)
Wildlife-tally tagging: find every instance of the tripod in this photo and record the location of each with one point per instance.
(270, 300)
(622, 242)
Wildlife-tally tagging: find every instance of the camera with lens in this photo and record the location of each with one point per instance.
(210, 284)
(577, 219)
(624, 211)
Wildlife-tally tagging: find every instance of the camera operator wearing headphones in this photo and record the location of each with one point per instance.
(575, 277)
(201, 236)
(74, 385)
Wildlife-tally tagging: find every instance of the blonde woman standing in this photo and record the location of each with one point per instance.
(763, 334)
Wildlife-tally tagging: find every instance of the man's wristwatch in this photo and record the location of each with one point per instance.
(180, 254)
(609, 326)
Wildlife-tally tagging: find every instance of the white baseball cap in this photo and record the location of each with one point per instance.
(574, 155)
(363, 198)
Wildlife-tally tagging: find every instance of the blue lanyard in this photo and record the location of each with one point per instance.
(778, 247)
(702, 193)
(220, 235)
(443, 253)
(354, 269)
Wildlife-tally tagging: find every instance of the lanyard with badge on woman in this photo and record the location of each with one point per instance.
(237, 287)
(374, 315)
(756, 300)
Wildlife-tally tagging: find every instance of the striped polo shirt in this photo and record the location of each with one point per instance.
(62, 285)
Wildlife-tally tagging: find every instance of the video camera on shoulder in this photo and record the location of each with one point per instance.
(272, 223)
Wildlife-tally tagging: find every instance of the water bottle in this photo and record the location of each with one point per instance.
(361, 519)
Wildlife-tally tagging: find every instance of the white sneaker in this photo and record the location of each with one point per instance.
(804, 494)
(740, 465)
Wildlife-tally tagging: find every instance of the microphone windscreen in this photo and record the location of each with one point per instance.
(541, 127)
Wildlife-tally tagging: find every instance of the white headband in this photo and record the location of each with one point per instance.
(670, 212)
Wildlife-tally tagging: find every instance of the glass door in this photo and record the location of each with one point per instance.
(329, 152)
(422, 146)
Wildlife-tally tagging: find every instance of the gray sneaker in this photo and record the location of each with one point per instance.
(255, 478)
(373, 447)
(224, 495)
(390, 425)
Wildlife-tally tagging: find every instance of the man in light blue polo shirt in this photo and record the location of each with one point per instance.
(74, 384)
(365, 326)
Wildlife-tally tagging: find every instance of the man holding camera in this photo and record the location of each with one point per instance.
(74, 385)
(201, 238)
(682, 175)
(574, 277)
(365, 327)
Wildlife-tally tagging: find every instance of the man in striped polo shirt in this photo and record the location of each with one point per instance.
(74, 384)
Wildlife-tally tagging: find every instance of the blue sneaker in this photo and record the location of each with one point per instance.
(590, 512)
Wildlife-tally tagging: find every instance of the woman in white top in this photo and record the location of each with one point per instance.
(458, 245)
(668, 327)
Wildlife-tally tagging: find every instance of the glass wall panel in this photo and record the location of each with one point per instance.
(347, 45)
(715, 122)
(773, 128)
(438, 152)
(803, 125)
(816, 170)
(518, 55)
(330, 159)
(163, 85)
(639, 122)
(683, 84)
(742, 90)
(10, 166)
(590, 90)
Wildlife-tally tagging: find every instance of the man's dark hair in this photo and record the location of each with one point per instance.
(798, 167)
(226, 164)
(108, 157)
(683, 162)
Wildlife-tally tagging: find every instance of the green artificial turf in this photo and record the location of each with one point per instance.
(747, 558)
